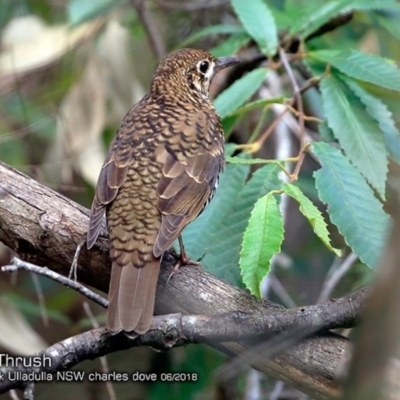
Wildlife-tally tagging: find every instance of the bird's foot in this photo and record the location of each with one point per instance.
(183, 261)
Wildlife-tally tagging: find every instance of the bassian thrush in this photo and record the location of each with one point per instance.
(160, 172)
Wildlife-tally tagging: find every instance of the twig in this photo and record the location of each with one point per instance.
(313, 81)
(17, 264)
(305, 117)
(299, 103)
(238, 324)
(281, 292)
(338, 273)
(151, 28)
(270, 128)
(74, 265)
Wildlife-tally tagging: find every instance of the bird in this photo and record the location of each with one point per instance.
(161, 171)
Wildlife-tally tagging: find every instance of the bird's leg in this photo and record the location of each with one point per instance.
(183, 260)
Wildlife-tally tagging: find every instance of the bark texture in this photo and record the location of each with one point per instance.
(45, 228)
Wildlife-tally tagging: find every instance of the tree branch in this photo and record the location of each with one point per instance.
(340, 313)
(174, 330)
(44, 227)
(17, 264)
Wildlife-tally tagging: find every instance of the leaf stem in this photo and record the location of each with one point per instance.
(300, 108)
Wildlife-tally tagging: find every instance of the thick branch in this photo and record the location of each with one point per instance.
(44, 227)
(234, 325)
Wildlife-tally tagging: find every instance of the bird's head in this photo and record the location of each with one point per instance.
(189, 71)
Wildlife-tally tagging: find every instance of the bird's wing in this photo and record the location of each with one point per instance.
(189, 176)
(111, 178)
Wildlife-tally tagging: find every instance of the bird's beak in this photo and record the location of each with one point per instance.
(224, 62)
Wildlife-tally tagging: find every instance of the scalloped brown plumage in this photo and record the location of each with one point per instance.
(160, 172)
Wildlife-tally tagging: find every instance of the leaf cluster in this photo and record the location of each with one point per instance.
(357, 137)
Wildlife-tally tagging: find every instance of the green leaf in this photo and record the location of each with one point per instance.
(230, 149)
(313, 14)
(282, 19)
(311, 212)
(259, 22)
(390, 21)
(375, 5)
(80, 11)
(358, 133)
(261, 240)
(238, 93)
(325, 132)
(257, 104)
(352, 206)
(228, 123)
(211, 30)
(202, 233)
(379, 111)
(365, 67)
(231, 45)
(225, 235)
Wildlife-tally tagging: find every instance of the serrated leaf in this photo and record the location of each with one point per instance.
(259, 22)
(201, 231)
(379, 111)
(326, 132)
(358, 133)
(309, 17)
(231, 45)
(312, 15)
(365, 67)
(222, 250)
(199, 236)
(237, 94)
(311, 212)
(352, 206)
(211, 30)
(261, 240)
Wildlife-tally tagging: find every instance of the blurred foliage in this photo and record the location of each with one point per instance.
(69, 70)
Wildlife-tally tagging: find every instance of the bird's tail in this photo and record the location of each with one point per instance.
(131, 296)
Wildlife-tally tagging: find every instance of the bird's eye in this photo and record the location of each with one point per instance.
(203, 67)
